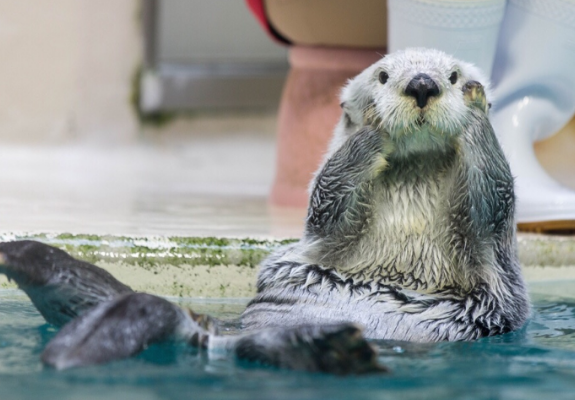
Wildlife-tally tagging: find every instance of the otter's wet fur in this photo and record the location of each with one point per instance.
(410, 235)
(410, 229)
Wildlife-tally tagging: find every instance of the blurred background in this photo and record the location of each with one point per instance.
(147, 117)
(98, 71)
(138, 117)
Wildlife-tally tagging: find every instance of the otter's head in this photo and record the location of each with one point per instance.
(415, 96)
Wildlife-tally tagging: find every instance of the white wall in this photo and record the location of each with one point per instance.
(65, 70)
(208, 31)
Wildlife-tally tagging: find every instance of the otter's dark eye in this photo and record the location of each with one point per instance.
(383, 77)
(453, 77)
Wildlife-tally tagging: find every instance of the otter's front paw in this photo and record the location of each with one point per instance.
(366, 151)
(474, 95)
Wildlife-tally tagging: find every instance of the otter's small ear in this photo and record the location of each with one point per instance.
(342, 104)
(348, 121)
(474, 95)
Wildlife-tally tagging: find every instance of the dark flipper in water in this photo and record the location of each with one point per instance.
(126, 325)
(60, 286)
(338, 349)
(114, 330)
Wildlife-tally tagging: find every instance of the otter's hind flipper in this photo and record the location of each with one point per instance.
(115, 330)
(338, 349)
(122, 327)
(60, 286)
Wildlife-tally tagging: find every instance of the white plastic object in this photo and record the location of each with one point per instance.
(467, 30)
(534, 88)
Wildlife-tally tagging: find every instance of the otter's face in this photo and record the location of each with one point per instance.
(414, 95)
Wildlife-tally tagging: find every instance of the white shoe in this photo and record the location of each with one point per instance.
(534, 88)
(468, 30)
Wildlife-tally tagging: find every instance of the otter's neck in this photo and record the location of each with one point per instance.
(419, 165)
(424, 142)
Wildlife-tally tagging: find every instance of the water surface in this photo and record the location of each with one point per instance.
(537, 361)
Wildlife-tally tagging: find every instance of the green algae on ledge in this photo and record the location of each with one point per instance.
(148, 252)
(204, 267)
(213, 267)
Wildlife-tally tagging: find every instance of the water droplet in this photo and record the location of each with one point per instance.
(398, 349)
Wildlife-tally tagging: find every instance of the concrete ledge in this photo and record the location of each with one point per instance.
(226, 267)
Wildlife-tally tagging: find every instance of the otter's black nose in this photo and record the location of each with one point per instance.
(422, 87)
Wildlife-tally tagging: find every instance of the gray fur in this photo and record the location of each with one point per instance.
(410, 230)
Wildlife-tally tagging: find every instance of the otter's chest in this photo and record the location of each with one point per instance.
(409, 231)
(409, 207)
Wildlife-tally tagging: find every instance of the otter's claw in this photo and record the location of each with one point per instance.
(474, 95)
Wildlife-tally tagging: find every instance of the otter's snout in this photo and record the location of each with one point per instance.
(422, 87)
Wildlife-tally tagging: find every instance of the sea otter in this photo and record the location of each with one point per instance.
(410, 235)
(410, 230)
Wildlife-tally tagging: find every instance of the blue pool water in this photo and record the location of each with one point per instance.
(537, 361)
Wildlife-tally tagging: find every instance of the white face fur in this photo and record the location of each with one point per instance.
(384, 103)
